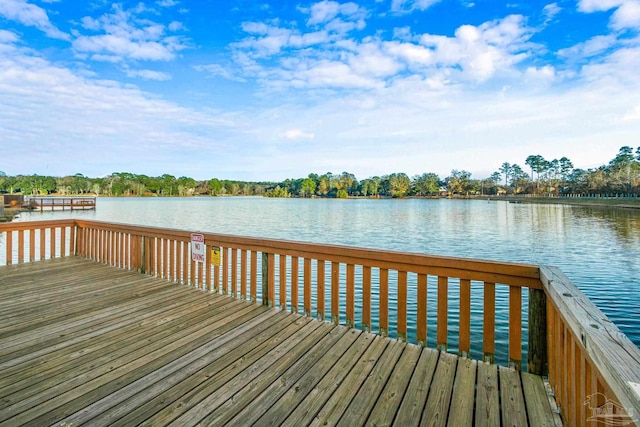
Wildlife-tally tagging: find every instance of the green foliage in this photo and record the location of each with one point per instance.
(459, 182)
(399, 184)
(506, 170)
(277, 192)
(308, 187)
(370, 187)
(215, 187)
(620, 175)
(519, 178)
(426, 184)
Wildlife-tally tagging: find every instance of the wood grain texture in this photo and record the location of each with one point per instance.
(85, 343)
(487, 396)
(461, 411)
(511, 398)
(436, 410)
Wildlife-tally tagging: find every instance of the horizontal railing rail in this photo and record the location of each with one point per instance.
(588, 360)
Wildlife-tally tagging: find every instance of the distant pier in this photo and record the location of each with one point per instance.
(61, 203)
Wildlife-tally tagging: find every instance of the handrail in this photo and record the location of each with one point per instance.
(165, 253)
(592, 367)
(387, 280)
(52, 233)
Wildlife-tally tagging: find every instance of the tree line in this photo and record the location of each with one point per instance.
(546, 178)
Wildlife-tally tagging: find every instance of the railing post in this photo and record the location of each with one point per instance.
(489, 324)
(9, 254)
(537, 358)
(335, 293)
(443, 306)
(73, 240)
(265, 278)
(143, 255)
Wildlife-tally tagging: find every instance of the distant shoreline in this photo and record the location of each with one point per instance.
(604, 202)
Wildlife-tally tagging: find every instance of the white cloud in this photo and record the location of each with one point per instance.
(167, 3)
(482, 51)
(326, 11)
(546, 73)
(402, 33)
(90, 23)
(217, 70)
(626, 16)
(127, 36)
(123, 47)
(475, 53)
(633, 115)
(550, 11)
(287, 58)
(323, 12)
(589, 6)
(308, 39)
(30, 15)
(411, 53)
(175, 26)
(114, 59)
(340, 26)
(332, 74)
(620, 65)
(8, 37)
(61, 118)
(330, 22)
(592, 47)
(148, 74)
(371, 61)
(297, 134)
(408, 6)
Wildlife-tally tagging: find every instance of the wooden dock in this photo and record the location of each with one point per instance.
(53, 203)
(86, 343)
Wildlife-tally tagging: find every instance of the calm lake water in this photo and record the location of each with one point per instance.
(597, 248)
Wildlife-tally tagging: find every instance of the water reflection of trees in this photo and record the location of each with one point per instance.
(624, 222)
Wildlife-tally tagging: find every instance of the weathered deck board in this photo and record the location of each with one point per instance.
(86, 344)
(487, 397)
(461, 411)
(511, 398)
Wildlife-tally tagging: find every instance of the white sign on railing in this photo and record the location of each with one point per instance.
(198, 248)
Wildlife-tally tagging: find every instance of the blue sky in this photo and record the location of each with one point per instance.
(272, 90)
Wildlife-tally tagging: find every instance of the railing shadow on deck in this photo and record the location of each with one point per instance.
(592, 367)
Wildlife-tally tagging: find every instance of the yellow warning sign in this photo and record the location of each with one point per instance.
(215, 256)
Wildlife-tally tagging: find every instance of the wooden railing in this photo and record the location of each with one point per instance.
(594, 368)
(33, 241)
(569, 339)
(282, 274)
